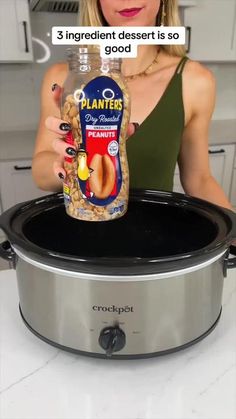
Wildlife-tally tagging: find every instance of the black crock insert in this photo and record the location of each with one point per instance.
(149, 229)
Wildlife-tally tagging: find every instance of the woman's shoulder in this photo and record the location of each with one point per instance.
(56, 73)
(193, 71)
(199, 76)
(199, 88)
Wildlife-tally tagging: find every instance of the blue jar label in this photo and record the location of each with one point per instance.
(100, 106)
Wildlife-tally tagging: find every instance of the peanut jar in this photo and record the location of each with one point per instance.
(95, 101)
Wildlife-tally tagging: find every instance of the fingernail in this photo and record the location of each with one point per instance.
(65, 127)
(61, 176)
(136, 126)
(70, 151)
(54, 86)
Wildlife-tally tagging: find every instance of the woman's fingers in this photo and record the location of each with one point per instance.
(132, 128)
(59, 170)
(62, 128)
(67, 150)
(63, 149)
(57, 92)
(57, 125)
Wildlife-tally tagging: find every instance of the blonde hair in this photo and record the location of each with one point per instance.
(91, 15)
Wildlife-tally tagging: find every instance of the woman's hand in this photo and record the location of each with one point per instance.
(60, 146)
(61, 128)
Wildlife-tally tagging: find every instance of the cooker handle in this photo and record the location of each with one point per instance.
(231, 263)
(5, 218)
(7, 253)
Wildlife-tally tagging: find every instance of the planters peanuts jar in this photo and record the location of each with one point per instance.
(96, 103)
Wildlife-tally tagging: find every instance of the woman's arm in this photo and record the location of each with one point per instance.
(45, 156)
(195, 174)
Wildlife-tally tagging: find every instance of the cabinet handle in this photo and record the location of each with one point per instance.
(22, 167)
(188, 33)
(221, 151)
(25, 34)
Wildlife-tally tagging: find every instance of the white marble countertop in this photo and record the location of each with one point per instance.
(19, 144)
(38, 381)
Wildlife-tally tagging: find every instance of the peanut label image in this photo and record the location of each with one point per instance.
(96, 187)
(100, 107)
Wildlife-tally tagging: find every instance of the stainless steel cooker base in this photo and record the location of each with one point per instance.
(147, 284)
(114, 356)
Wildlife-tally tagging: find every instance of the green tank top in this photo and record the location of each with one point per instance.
(153, 150)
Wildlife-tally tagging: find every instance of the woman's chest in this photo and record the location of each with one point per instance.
(158, 94)
(145, 96)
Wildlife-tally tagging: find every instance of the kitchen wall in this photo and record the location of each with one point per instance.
(20, 83)
(225, 75)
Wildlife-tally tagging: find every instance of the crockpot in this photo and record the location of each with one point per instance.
(146, 284)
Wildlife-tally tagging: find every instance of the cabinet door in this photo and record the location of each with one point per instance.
(212, 26)
(16, 183)
(221, 159)
(15, 31)
(221, 163)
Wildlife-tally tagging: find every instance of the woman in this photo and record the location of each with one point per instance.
(172, 101)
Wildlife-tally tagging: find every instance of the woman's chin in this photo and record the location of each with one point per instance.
(132, 22)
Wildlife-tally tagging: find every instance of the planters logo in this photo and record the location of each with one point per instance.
(111, 104)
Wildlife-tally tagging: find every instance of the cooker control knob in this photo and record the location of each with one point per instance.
(112, 339)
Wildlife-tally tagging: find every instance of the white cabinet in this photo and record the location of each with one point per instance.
(211, 27)
(15, 31)
(187, 3)
(221, 163)
(16, 183)
(221, 159)
(177, 184)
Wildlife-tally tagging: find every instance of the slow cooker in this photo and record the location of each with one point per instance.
(146, 284)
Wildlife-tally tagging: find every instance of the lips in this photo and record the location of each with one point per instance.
(130, 12)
